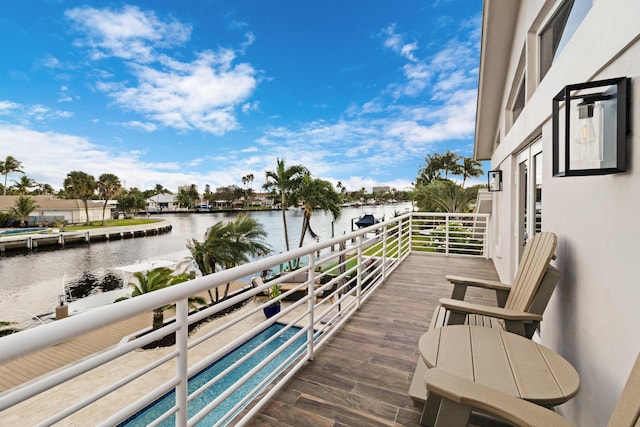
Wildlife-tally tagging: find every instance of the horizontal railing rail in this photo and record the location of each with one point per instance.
(340, 274)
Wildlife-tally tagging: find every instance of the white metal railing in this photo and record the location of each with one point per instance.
(345, 274)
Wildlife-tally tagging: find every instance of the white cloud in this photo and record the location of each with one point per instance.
(396, 43)
(7, 106)
(129, 33)
(199, 95)
(48, 157)
(145, 126)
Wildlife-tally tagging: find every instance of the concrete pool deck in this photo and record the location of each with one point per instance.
(52, 401)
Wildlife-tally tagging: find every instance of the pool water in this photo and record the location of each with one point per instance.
(166, 402)
(20, 231)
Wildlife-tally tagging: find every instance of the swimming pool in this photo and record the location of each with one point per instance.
(166, 402)
(20, 231)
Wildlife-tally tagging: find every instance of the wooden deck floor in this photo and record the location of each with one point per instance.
(362, 376)
(33, 365)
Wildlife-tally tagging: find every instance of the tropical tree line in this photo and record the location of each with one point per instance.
(436, 192)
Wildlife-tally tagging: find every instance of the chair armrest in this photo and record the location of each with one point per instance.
(478, 283)
(476, 396)
(461, 283)
(498, 312)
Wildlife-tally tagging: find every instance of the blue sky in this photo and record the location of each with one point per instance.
(206, 92)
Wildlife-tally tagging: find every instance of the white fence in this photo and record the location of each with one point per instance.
(348, 270)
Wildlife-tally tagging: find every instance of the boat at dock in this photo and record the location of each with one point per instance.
(106, 288)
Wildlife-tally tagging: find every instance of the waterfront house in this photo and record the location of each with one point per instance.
(531, 53)
(51, 209)
(162, 203)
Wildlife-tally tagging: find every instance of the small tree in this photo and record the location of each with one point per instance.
(153, 280)
(227, 244)
(23, 208)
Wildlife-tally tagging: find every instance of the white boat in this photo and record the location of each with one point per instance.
(104, 298)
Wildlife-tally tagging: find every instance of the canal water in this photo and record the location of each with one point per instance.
(31, 282)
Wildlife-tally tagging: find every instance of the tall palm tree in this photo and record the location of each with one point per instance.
(23, 208)
(227, 244)
(250, 178)
(316, 194)
(451, 164)
(9, 165)
(153, 280)
(471, 168)
(432, 169)
(24, 184)
(159, 190)
(283, 183)
(108, 186)
(80, 185)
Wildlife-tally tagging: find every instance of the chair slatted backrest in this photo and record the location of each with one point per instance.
(533, 265)
(627, 411)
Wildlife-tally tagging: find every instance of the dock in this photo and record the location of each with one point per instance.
(60, 239)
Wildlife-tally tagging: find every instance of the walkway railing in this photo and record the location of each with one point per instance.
(340, 275)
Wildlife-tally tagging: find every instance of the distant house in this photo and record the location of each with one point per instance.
(162, 203)
(383, 190)
(51, 209)
(262, 199)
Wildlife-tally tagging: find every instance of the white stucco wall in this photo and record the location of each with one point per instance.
(593, 317)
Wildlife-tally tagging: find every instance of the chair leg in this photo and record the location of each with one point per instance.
(439, 412)
(430, 410)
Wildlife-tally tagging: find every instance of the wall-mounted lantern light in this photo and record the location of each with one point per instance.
(590, 127)
(495, 180)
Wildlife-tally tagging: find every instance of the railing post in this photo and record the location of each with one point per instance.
(399, 239)
(182, 313)
(311, 304)
(359, 270)
(446, 234)
(385, 237)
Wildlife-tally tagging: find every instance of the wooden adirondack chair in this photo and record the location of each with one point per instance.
(470, 396)
(520, 305)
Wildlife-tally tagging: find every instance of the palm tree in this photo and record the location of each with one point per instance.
(450, 163)
(159, 189)
(283, 182)
(443, 196)
(227, 244)
(250, 178)
(80, 185)
(471, 168)
(23, 208)
(316, 194)
(108, 186)
(153, 280)
(24, 184)
(9, 165)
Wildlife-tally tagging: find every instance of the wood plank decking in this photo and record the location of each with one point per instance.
(362, 376)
